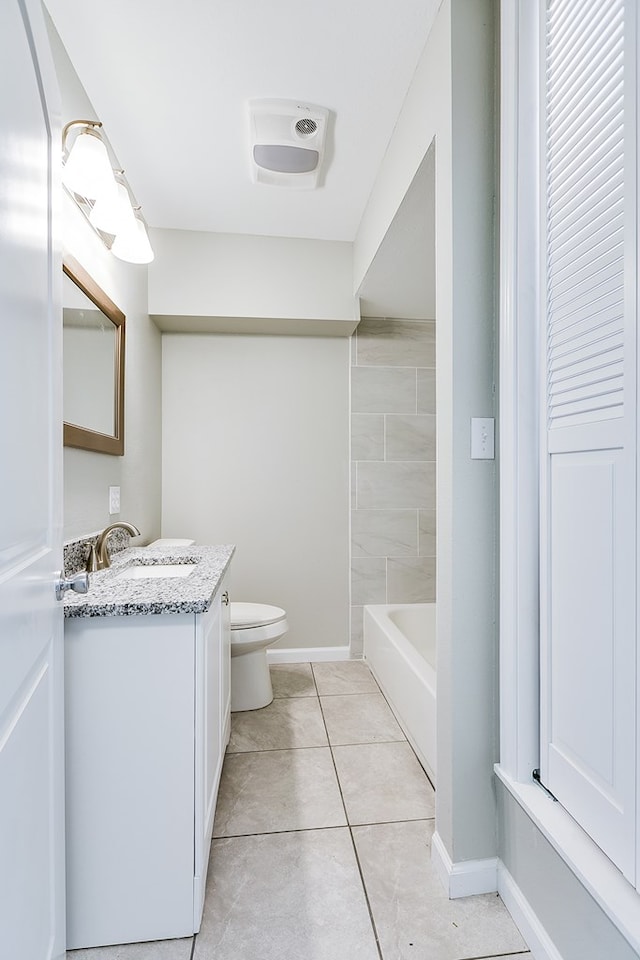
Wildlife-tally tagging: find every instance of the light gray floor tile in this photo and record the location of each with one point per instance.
(285, 896)
(346, 676)
(278, 790)
(295, 722)
(154, 950)
(365, 718)
(292, 680)
(414, 918)
(383, 782)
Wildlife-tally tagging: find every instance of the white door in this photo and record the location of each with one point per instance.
(588, 511)
(31, 680)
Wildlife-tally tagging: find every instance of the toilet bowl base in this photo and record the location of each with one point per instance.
(250, 681)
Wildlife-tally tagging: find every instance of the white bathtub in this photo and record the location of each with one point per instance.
(400, 649)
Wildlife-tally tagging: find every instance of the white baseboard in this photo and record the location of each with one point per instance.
(466, 878)
(307, 654)
(525, 919)
(471, 877)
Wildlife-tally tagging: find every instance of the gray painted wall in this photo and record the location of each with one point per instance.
(87, 475)
(573, 920)
(255, 452)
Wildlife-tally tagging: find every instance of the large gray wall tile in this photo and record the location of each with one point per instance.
(403, 343)
(409, 437)
(367, 436)
(411, 580)
(426, 391)
(397, 484)
(427, 533)
(357, 632)
(384, 533)
(368, 580)
(383, 390)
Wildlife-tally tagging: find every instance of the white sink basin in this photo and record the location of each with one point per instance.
(156, 571)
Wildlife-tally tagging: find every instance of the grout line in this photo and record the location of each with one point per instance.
(327, 826)
(496, 956)
(313, 677)
(243, 753)
(249, 753)
(317, 746)
(353, 693)
(353, 844)
(279, 833)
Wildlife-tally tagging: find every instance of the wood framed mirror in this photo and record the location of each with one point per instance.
(93, 364)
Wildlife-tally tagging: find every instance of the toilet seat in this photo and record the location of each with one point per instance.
(246, 616)
(253, 625)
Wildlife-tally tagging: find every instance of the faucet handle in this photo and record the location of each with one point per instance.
(92, 559)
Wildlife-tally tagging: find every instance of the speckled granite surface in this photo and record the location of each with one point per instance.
(111, 596)
(75, 552)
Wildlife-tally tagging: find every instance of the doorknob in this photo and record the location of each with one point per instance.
(79, 583)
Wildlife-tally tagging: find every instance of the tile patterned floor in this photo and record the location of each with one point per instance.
(322, 838)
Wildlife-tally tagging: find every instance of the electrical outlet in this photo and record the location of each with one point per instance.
(114, 500)
(482, 438)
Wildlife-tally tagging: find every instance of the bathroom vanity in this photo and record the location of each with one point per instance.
(147, 687)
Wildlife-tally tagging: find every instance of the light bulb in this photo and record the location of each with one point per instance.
(88, 171)
(133, 244)
(112, 212)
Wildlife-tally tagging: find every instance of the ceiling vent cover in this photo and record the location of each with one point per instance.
(287, 142)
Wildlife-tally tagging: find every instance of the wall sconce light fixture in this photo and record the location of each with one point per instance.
(103, 194)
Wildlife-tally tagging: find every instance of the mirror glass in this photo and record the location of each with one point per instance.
(93, 350)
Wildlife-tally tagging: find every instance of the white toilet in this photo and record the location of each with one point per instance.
(254, 627)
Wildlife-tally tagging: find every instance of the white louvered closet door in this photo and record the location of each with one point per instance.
(588, 508)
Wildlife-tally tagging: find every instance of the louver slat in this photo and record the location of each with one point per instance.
(584, 168)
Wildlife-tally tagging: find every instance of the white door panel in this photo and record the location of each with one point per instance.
(592, 610)
(588, 463)
(31, 742)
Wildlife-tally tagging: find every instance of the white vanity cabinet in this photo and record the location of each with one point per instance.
(147, 723)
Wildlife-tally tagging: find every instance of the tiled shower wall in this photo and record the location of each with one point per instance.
(393, 469)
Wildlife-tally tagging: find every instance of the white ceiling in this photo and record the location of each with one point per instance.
(170, 81)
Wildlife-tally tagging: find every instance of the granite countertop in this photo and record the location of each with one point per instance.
(111, 595)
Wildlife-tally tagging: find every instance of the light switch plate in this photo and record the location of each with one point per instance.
(114, 500)
(482, 438)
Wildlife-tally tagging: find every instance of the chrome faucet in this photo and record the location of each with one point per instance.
(98, 555)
